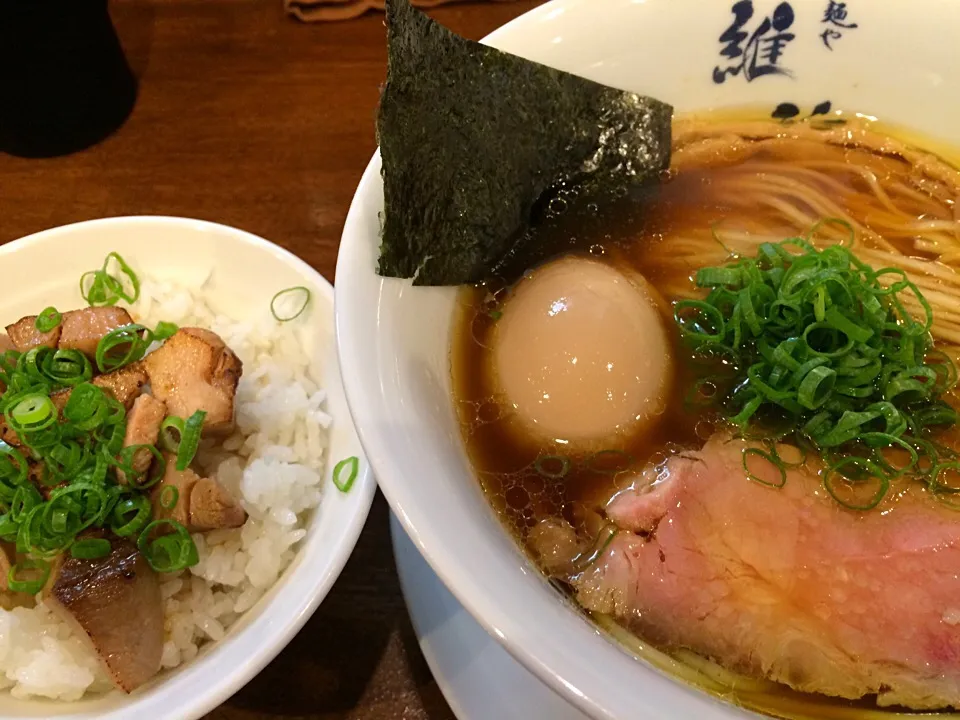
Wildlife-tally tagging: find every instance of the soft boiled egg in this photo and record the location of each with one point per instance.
(581, 352)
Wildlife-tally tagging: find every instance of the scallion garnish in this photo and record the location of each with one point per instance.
(48, 320)
(770, 459)
(71, 447)
(90, 549)
(122, 346)
(600, 544)
(171, 433)
(610, 462)
(552, 466)
(133, 476)
(169, 497)
(32, 413)
(28, 576)
(345, 473)
(168, 553)
(190, 439)
(130, 516)
(164, 330)
(289, 304)
(65, 367)
(111, 283)
(817, 347)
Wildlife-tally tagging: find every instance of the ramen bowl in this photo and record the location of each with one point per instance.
(789, 60)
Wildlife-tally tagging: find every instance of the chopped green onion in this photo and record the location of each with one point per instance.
(130, 516)
(66, 367)
(552, 466)
(13, 473)
(716, 276)
(90, 549)
(28, 576)
(190, 439)
(815, 388)
(169, 497)
(817, 347)
(8, 528)
(698, 321)
(125, 463)
(122, 346)
(168, 553)
(352, 467)
(772, 459)
(164, 330)
(48, 320)
(847, 486)
(106, 286)
(600, 544)
(171, 433)
(87, 407)
(32, 413)
(289, 304)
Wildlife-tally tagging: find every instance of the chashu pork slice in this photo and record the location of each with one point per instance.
(115, 603)
(785, 583)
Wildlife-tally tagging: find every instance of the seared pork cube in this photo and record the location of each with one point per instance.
(195, 370)
(114, 602)
(83, 329)
(212, 507)
(143, 428)
(202, 503)
(124, 384)
(25, 336)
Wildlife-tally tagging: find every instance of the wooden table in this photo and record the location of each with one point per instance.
(251, 119)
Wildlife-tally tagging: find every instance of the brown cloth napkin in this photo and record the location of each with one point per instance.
(318, 10)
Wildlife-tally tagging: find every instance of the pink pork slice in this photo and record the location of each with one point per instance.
(785, 583)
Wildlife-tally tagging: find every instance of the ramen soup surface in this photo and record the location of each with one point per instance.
(576, 396)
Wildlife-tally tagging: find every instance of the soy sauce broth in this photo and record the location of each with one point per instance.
(643, 232)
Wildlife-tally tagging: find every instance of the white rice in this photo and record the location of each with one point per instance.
(274, 464)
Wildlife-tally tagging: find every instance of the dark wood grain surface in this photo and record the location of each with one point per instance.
(248, 118)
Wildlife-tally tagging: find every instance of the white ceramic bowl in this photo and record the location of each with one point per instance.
(899, 63)
(44, 269)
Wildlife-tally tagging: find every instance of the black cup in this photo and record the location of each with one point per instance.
(64, 81)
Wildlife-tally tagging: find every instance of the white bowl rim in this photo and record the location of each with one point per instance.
(298, 602)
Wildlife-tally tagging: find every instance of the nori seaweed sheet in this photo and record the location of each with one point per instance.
(471, 138)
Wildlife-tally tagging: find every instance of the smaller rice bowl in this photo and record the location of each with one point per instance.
(254, 586)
